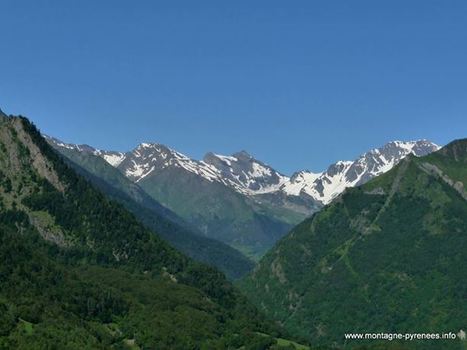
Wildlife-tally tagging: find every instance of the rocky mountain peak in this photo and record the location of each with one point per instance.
(246, 173)
(242, 155)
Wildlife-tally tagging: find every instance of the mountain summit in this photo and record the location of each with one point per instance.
(245, 174)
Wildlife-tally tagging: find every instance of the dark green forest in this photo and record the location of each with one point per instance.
(156, 217)
(79, 271)
(389, 256)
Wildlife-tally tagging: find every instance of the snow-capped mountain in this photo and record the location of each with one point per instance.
(240, 171)
(251, 177)
(327, 185)
(245, 173)
(238, 199)
(150, 158)
(146, 159)
(112, 157)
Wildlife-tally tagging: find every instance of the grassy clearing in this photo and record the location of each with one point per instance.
(27, 327)
(285, 342)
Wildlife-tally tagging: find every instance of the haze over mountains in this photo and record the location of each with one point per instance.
(238, 199)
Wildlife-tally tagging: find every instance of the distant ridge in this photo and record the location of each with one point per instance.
(238, 199)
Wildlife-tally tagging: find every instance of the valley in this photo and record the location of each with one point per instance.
(233, 175)
(237, 200)
(79, 271)
(72, 218)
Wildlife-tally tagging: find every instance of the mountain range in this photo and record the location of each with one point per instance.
(238, 199)
(94, 249)
(327, 185)
(166, 223)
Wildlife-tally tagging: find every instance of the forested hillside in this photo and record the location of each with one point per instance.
(388, 256)
(156, 217)
(79, 271)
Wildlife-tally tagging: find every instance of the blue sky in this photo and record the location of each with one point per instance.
(299, 84)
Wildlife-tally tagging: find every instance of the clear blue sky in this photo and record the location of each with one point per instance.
(299, 84)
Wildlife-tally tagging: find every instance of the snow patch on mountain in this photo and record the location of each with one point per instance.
(327, 185)
(299, 182)
(245, 173)
(111, 157)
(149, 158)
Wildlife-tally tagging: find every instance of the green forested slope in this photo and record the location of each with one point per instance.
(158, 218)
(219, 212)
(389, 256)
(79, 271)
